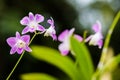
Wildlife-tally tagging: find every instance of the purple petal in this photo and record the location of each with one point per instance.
(71, 31)
(79, 38)
(13, 50)
(63, 49)
(25, 21)
(97, 26)
(18, 35)
(54, 37)
(26, 38)
(39, 18)
(100, 43)
(32, 30)
(50, 21)
(28, 49)
(40, 28)
(25, 30)
(87, 39)
(19, 50)
(11, 41)
(63, 35)
(31, 16)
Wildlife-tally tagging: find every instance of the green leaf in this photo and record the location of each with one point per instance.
(112, 63)
(55, 58)
(83, 59)
(37, 76)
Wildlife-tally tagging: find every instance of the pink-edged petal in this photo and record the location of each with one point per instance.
(79, 38)
(100, 43)
(28, 49)
(26, 38)
(39, 18)
(25, 21)
(50, 21)
(54, 37)
(71, 31)
(11, 41)
(32, 30)
(63, 48)
(40, 28)
(25, 30)
(18, 35)
(13, 50)
(19, 50)
(97, 26)
(31, 16)
(63, 35)
(88, 38)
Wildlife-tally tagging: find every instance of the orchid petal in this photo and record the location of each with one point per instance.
(62, 36)
(13, 50)
(40, 28)
(19, 50)
(25, 38)
(54, 36)
(31, 16)
(11, 41)
(25, 21)
(18, 35)
(25, 30)
(97, 26)
(71, 31)
(51, 21)
(39, 18)
(28, 49)
(100, 43)
(79, 38)
(63, 48)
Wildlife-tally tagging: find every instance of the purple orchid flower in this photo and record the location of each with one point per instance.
(64, 37)
(32, 23)
(97, 38)
(19, 43)
(51, 30)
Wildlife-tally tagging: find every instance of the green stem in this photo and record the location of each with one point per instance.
(105, 47)
(19, 59)
(107, 40)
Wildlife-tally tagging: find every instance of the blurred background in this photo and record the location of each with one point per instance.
(80, 14)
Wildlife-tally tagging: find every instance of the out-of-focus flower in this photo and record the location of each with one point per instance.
(19, 43)
(97, 38)
(64, 37)
(51, 30)
(32, 23)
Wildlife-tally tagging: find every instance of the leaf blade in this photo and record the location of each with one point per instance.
(37, 76)
(84, 60)
(55, 58)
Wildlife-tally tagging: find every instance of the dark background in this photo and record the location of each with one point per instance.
(80, 14)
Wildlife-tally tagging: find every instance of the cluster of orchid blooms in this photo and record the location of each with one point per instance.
(32, 22)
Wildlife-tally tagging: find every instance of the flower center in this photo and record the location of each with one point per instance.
(33, 25)
(21, 44)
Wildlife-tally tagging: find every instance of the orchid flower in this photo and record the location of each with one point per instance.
(97, 38)
(64, 37)
(19, 43)
(51, 30)
(32, 23)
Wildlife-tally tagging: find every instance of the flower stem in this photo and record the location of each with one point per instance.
(107, 40)
(105, 48)
(19, 59)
